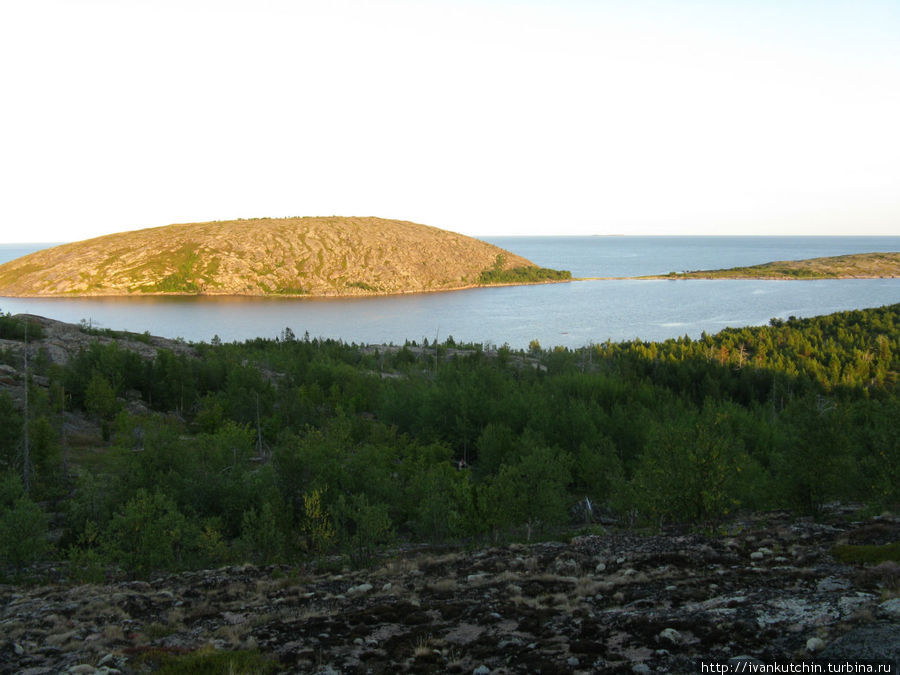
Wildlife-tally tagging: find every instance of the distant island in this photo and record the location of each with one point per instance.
(856, 266)
(328, 256)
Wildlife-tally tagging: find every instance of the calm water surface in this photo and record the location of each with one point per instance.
(572, 314)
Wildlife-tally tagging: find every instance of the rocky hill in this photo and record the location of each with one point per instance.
(292, 256)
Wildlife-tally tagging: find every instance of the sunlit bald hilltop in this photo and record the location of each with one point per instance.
(332, 256)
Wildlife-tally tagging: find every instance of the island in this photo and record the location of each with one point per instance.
(855, 266)
(308, 256)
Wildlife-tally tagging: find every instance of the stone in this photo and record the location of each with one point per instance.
(815, 644)
(832, 584)
(891, 607)
(671, 636)
(641, 669)
(757, 555)
(877, 641)
(328, 670)
(482, 670)
(233, 618)
(360, 589)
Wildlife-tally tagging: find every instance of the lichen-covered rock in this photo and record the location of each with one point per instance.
(506, 610)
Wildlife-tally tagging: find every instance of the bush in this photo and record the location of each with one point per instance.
(13, 328)
(362, 528)
(688, 469)
(866, 554)
(262, 538)
(23, 526)
(150, 534)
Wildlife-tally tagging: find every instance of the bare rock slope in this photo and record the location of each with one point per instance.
(265, 256)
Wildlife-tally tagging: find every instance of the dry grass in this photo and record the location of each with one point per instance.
(233, 636)
(113, 633)
(423, 646)
(443, 586)
(587, 586)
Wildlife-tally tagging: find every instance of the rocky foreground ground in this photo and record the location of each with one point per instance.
(617, 602)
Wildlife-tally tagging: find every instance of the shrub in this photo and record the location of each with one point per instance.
(150, 534)
(23, 526)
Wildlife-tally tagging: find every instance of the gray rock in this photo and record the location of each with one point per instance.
(482, 670)
(328, 670)
(832, 584)
(671, 636)
(641, 669)
(891, 607)
(877, 641)
(360, 589)
(234, 618)
(815, 644)
(566, 566)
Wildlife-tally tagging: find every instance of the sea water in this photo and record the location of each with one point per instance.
(570, 314)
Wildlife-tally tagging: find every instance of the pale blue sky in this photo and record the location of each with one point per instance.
(540, 117)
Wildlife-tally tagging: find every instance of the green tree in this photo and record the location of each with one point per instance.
(317, 524)
(362, 528)
(263, 537)
(532, 491)
(11, 426)
(150, 534)
(813, 459)
(23, 526)
(689, 468)
(100, 401)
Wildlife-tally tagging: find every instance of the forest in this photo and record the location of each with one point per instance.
(302, 451)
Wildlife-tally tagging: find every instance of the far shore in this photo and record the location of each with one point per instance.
(290, 296)
(878, 265)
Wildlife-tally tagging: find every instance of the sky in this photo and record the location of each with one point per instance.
(518, 117)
